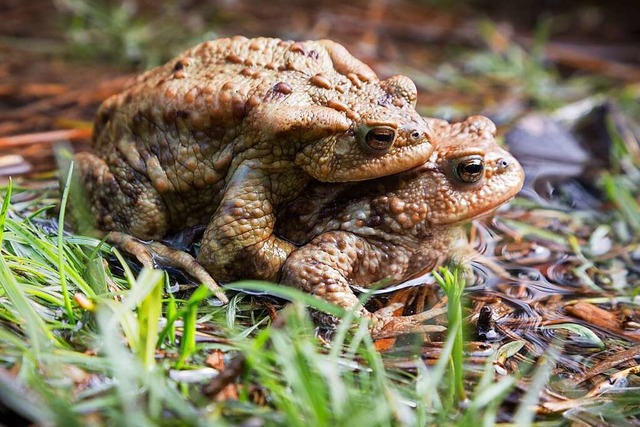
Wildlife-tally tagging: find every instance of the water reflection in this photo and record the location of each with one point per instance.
(521, 290)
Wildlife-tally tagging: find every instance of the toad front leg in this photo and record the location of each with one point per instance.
(330, 263)
(239, 242)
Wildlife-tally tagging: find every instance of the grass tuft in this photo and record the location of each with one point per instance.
(453, 283)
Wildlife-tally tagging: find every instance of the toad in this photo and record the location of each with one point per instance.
(395, 227)
(231, 129)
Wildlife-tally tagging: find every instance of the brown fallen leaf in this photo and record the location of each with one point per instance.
(594, 315)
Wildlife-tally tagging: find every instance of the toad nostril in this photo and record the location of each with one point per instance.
(503, 164)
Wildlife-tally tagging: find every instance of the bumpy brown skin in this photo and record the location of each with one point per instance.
(233, 128)
(397, 226)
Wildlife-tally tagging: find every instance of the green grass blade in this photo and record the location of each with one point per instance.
(453, 284)
(61, 249)
(171, 313)
(288, 293)
(149, 312)
(624, 200)
(189, 317)
(125, 370)
(579, 330)
(5, 209)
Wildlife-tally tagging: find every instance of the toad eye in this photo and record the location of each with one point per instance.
(469, 169)
(378, 139)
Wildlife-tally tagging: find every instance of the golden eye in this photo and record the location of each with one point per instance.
(469, 169)
(379, 139)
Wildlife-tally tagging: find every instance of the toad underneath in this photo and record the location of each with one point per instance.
(395, 227)
(232, 129)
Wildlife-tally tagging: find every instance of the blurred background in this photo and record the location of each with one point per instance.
(60, 59)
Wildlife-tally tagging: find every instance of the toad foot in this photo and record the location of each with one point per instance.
(149, 254)
(386, 325)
